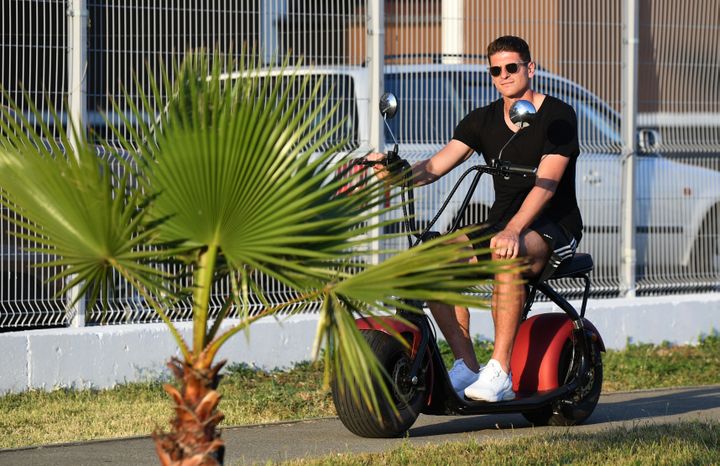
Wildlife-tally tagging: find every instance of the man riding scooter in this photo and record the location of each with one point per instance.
(537, 221)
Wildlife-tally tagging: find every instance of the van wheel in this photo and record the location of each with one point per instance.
(408, 399)
(579, 405)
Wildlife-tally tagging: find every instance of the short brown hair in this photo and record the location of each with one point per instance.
(510, 44)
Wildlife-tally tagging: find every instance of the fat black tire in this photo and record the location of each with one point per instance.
(407, 399)
(579, 405)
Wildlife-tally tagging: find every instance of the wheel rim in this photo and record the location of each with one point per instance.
(403, 389)
(584, 390)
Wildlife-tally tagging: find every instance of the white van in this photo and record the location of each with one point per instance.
(677, 204)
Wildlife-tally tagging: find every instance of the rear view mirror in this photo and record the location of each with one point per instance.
(522, 113)
(388, 105)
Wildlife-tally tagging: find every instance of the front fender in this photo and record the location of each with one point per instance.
(389, 325)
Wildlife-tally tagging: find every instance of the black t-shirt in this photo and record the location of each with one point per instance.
(554, 131)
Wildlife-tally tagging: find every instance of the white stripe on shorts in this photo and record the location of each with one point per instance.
(566, 251)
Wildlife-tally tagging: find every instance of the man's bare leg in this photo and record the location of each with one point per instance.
(509, 296)
(454, 323)
(494, 382)
(507, 302)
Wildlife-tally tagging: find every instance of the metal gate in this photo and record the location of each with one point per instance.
(432, 54)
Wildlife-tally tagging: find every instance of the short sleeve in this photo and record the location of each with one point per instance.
(466, 131)
(562, 133)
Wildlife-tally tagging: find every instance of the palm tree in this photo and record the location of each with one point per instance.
(229, 181)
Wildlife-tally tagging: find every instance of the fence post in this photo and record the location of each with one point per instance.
(376, 67)
(630, 26)
(376, 62)
(77, 22)
(453, 31)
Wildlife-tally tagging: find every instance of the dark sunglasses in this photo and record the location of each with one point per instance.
(511, 68)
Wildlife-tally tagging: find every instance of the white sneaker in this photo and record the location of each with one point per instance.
(492, 385)
(461, 377)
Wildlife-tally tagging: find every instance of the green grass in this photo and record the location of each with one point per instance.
(250, 396)
(646, 444)
(649, 366)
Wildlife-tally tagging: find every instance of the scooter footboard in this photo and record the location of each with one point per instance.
(538, 348)
(390, 325)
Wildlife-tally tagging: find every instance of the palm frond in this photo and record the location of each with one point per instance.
(74, 208)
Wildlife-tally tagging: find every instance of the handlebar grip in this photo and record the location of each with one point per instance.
(392, 161)
(506, 169)
(522, 170)
(368, 163)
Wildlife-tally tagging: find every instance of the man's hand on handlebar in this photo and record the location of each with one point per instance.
(388, 167)
(380, 169)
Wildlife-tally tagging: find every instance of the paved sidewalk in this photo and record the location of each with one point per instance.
(317, 437)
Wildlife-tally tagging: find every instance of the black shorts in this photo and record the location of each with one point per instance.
(561, 242)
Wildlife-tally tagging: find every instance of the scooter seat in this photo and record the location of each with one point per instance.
(581, 263)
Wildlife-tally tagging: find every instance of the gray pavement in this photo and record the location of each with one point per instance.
(317, 437)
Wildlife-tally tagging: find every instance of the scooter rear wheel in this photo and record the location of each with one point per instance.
(408, 399)
(579, 405)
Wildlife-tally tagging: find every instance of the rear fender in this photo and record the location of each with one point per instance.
(388, 324)
(538, 346)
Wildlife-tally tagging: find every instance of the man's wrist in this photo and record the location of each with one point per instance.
(514, 229)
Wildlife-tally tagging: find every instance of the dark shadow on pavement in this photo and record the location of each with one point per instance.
(654, 404)
(458, 425)
(612, 407)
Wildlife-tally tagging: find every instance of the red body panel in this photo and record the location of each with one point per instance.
(537, 349)
(382, 324)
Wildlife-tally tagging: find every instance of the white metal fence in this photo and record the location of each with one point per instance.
(432, 54)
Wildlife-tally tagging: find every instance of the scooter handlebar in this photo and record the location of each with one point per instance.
(521, 170)
(507, 169)
(395, 163)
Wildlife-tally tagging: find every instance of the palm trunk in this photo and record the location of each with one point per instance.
(194, 439)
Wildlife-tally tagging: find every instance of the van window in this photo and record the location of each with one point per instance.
(598, 124)
(427, 113)
(433, 102)
(340, 90)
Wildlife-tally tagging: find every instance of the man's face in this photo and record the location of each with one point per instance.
(512, 85)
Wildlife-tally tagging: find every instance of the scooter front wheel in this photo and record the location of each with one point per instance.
(407, 398)
(580, 404)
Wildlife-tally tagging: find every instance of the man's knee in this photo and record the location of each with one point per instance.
(536, 253)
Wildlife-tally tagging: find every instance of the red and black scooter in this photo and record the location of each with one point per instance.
(556, 358)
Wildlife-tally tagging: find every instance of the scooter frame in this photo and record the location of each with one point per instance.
(550, 386)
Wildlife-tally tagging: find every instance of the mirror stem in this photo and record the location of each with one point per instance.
(508, 142)
(390, 130)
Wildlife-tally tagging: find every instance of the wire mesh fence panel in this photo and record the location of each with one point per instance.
(32, 74)
(130, 43)
(435, 62)
(679, 129)
(28, 294)
(33, 55)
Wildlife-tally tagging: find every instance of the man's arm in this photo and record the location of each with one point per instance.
(430, 170)
(549, 173)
